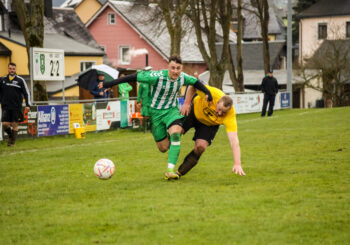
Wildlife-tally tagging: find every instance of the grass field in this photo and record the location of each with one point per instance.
(297, 188)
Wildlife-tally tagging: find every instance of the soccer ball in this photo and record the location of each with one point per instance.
(104, 168)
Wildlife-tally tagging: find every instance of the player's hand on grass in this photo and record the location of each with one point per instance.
(237, 169)
(185, 109)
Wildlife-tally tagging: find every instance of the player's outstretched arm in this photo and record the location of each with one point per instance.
(186, 107)
(200, 86)
(236, 151)
(125, 79)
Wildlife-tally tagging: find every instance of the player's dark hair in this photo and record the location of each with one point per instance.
(12, 64)
(227, 101)
(176, 58)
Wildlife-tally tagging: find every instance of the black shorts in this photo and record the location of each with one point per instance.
(202, 131)
(12, 115)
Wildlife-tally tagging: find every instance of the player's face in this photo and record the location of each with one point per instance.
(221, 110)
(12, 70)
(174, 70)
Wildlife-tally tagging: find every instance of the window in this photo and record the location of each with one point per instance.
(124, 55)
(234, 26)
(347, 35)
(111, 19)
(84, 65)
(322, 31)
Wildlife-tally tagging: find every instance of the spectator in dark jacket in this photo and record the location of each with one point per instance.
(269, 87)
(13, 89)
(99, 93)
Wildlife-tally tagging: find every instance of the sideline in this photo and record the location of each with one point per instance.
(58, 147)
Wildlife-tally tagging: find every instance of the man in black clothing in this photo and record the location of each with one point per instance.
(269, 87)
(13, 89)
(99, 93)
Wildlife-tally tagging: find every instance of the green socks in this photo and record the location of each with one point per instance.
(174, 149)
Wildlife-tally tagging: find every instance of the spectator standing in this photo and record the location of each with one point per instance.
(269, 86)
(13, 89)
(144, 100)
(124, 90)
(99, 93)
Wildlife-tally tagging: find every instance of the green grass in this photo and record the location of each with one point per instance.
(297, 188)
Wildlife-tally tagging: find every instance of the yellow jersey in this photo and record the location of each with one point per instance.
(207, 114)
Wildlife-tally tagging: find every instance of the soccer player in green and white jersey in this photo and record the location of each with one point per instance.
(164, 113)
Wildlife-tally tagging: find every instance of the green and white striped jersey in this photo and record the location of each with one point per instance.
(164, 90)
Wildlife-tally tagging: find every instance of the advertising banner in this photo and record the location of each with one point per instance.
(75, 116)
(53, 120)
(285, 100)
(253, 102)
(247, 103)
(29, 127)
(89, 116)
(107, 114)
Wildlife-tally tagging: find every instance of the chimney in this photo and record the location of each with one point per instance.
(48, 8)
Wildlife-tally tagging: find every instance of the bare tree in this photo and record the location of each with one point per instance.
(31, 20)
(330, 64)
(261, 10)
(205, 15)
(173, 12)
(237, 79)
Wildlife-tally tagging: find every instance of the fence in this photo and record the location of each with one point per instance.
(58, 118)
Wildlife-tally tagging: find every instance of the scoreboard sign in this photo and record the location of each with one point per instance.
(47, 64)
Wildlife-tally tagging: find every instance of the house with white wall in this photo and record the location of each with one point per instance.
(322, 22)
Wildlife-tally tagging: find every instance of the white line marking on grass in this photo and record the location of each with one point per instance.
(257, 119)
(58, 147)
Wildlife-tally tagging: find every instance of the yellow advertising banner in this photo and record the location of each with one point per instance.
(75, 116)
(89, 116)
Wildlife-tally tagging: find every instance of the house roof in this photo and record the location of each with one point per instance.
(327, 8)
(57, 41)
(253, 54)
(139, 17)
(252, 28)
(253, 78)
(74, 3)
(66, 22)
(70, 3)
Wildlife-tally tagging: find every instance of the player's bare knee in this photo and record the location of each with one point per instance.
(200, 148)
(163, 148)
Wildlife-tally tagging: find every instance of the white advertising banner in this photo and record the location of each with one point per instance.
(107, 115)
(253, 102)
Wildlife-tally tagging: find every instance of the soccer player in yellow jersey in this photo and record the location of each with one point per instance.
(206, 117)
